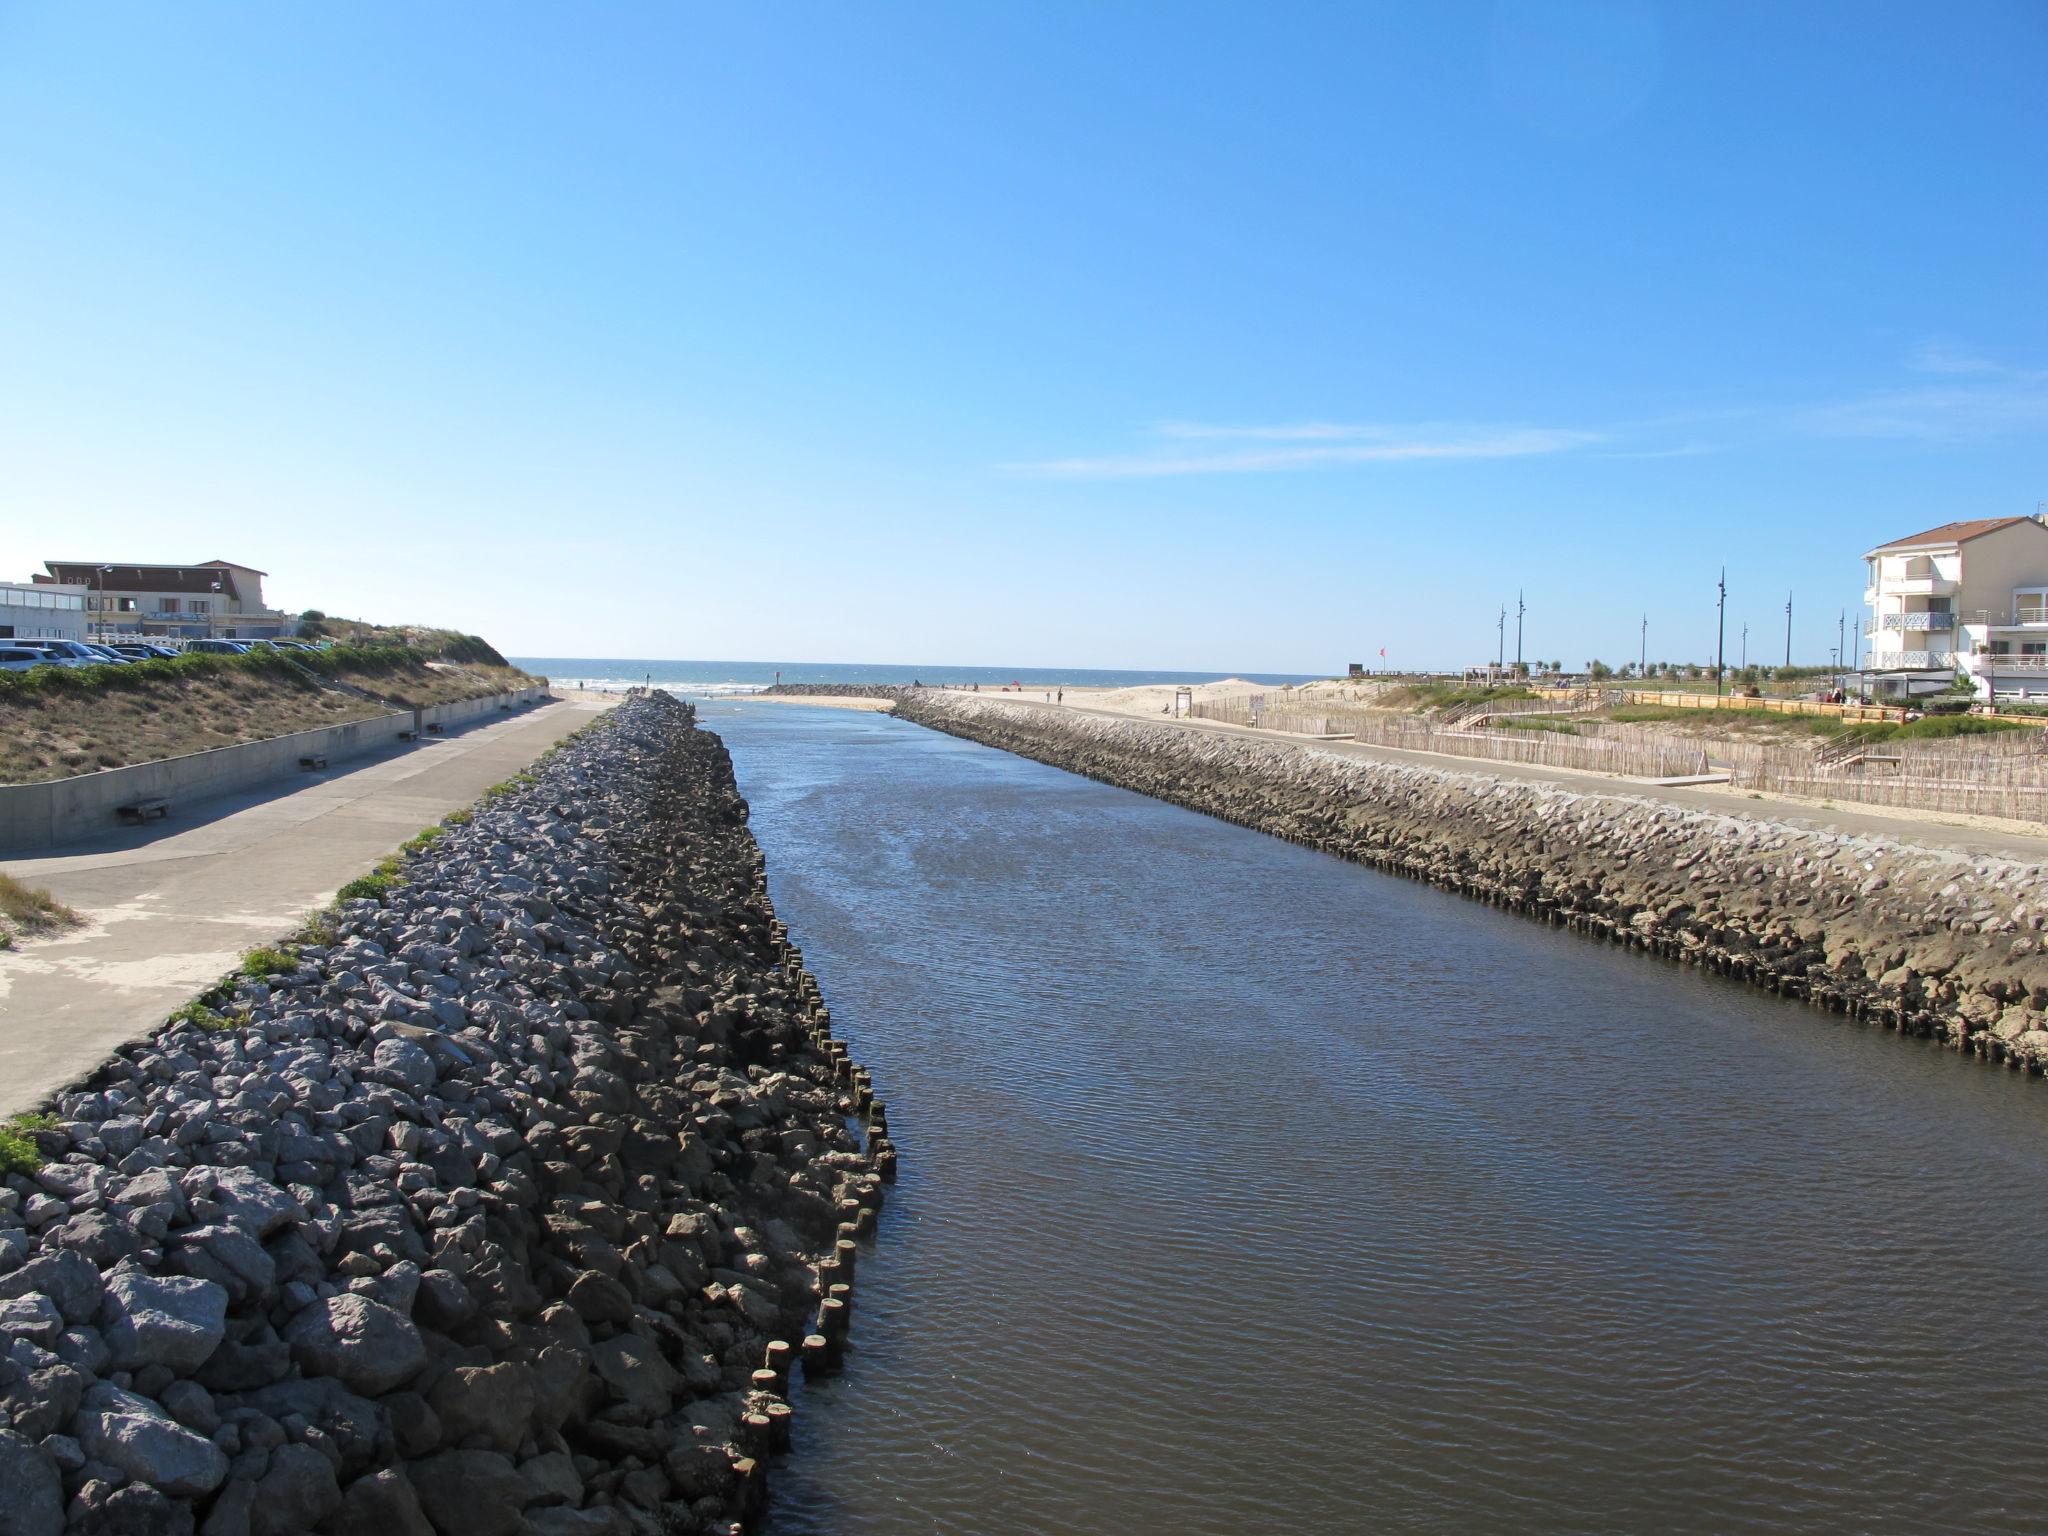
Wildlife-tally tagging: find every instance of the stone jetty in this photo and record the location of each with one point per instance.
(511, 1209)
(1928, 941)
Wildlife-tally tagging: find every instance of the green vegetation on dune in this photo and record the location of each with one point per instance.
(57, 721)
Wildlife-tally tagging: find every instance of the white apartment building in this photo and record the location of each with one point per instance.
(1967, 597)
(46, 612)
(216, 598)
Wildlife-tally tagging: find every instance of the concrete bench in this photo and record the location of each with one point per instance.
(143, 810)
(313, 760)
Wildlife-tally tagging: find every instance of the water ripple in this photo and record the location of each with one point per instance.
(1247, 1190)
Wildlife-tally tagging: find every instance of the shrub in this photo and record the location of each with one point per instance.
(268, 961)
(18, 1150)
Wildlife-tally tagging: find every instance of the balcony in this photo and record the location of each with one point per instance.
(2008, 665)
(1909, 661)
(1916, 621)
(1914, 586)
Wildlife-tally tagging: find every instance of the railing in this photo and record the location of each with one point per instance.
(2006, 663)
(1906, 661)
(1915, 621)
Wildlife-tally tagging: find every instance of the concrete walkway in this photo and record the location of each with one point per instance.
(1933, 830)
(172, 907)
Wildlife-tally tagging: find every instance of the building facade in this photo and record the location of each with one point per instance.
(48, 611)
(1967, 598)
(216, 598)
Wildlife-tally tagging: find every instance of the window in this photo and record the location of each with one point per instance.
(202, 605)
(170, 605)
(127, 604)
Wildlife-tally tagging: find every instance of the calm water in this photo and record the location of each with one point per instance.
(713, 678)
(1245, 1190)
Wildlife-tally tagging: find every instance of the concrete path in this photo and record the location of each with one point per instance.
(173, 906)
(1933, 830)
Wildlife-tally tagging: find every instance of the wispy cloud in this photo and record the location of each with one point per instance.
(1981, 397)
(1310, 444)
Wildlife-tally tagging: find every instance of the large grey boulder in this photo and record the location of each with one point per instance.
(478, 1493)
(406, 1063)
(634, 1374)
(174, 1321)
(366, 1346)
(492, 1404)
(381, 1504)
(230, 1256)
(146, 1444)
(71, 1280)
(34, 1318)
(252, 1201)
(296, 1494)
(31, 1492)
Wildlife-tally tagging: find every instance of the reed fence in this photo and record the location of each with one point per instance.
(1639, 758)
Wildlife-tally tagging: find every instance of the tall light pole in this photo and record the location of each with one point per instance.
(1745, 647)
(1841, 641)
(1720, 631)
(1788, 629)
(1520, 609)
(1643, 650)
(1500, 654)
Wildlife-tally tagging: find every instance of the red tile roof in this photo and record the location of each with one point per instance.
(1955, 533)
(142, 578)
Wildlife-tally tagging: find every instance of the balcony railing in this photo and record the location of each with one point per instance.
(1917, 621)
(1908, 661)
(2003, 665)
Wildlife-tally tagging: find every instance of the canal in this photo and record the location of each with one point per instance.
(1243, 1189)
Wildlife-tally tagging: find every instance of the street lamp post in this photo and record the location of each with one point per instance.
(1643, 650)
(1788, 629)
(1721, 632)
(1520, 609)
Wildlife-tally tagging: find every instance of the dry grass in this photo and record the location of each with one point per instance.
(56, 733)
(435, 683)
(27, 911)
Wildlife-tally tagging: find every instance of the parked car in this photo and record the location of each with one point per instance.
(62, 653)
(293, 645)
(144, 652)
(14, 658)
(106, 654)
(216, 648)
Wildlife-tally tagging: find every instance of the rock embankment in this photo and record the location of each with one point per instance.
(507, 1211)
(1927, 940)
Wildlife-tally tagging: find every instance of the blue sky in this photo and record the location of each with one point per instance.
(1203, 336)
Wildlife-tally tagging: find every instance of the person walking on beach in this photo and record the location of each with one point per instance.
(1062, 696)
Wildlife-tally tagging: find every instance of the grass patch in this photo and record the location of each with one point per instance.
(29, 907)
(268, 961)
(198, 1014)
(27, 911)
(18, 1150)
(1450, 695)
(379, 882)
(1533, 723)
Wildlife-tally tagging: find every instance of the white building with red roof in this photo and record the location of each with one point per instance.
(1967, 597)
(215, 598)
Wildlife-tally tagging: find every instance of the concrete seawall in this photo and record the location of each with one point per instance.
(513, 1208)
(1928, 941)
(60, 811)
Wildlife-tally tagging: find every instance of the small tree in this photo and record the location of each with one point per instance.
(1599, 671)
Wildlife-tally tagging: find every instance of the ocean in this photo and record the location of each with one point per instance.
(715, 678)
